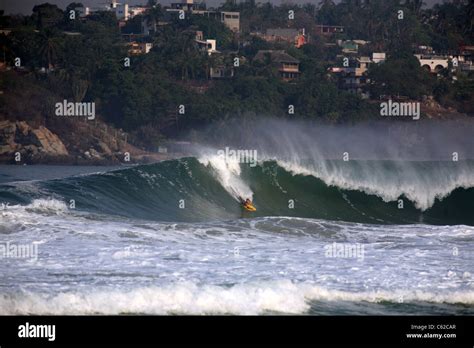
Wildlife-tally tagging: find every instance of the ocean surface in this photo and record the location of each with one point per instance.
(328, 238)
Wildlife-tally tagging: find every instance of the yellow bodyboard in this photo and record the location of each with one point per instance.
(249, 207)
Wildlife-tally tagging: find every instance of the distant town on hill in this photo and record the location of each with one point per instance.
(157, 71)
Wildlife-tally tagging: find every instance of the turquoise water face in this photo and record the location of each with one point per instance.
(207, 189)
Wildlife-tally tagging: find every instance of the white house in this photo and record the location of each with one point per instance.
(121, 11)
(136, 10)
(378, 57)
(433, 64)
(124, 11)
(82, 11)
(208, 45)
(138, 48)
(230, 19)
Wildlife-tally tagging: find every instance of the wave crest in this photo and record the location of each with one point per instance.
(189, 298)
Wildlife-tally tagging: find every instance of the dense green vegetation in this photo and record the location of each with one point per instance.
(85, 58)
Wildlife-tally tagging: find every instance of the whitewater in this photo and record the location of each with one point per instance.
(128, 248)
(361, 220)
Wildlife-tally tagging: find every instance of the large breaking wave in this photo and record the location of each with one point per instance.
(207, 189)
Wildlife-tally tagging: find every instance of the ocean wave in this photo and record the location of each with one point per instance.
(207, 189)
(420, 183)
(190, 298)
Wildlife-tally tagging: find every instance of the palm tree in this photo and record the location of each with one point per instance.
(310, 9)
(470, 16)
(153, 15)
(326, 3)
(212, 61)
(49, 47)
(414, 5)
(79, 88)
(265, 66)
(189, 57)
(5, 48)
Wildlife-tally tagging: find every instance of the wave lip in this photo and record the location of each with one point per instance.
(423, 183)
(227, 171)
(189, 298)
